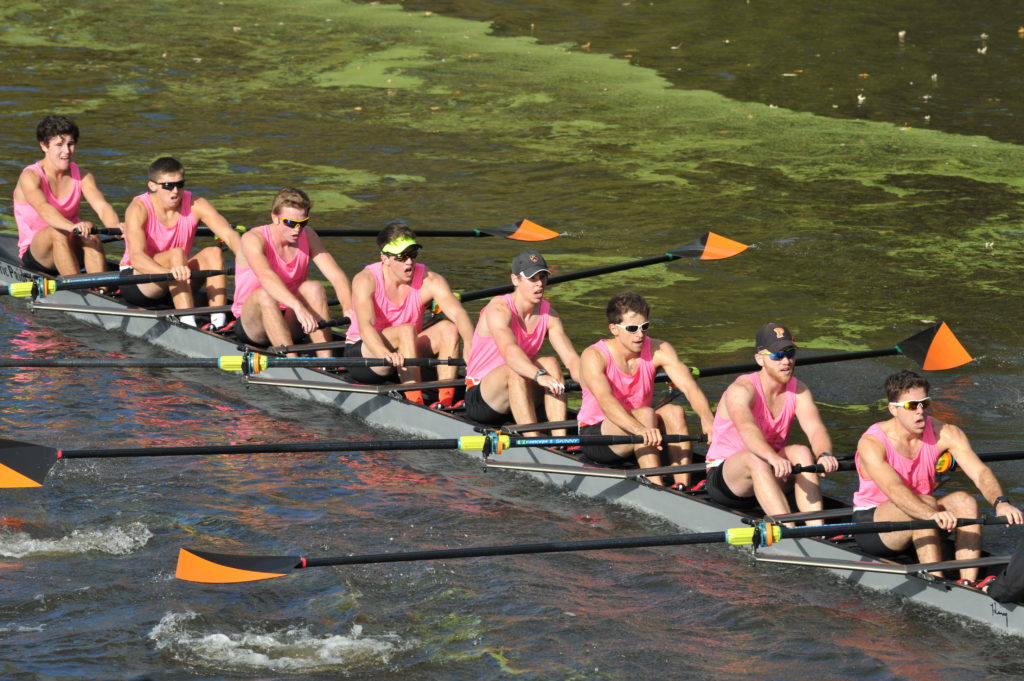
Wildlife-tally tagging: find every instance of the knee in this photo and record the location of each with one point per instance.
(211, 257)
(673, 416)
(312, 291)
(551, 365)
(962, 503)
(800, 454)
(645, 415)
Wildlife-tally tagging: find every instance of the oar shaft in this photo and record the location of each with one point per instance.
(268, 448)
(111, 362)
(801, 361)
(520, 549)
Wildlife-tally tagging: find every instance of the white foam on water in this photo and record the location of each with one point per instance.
(284, 649)
(117, 541)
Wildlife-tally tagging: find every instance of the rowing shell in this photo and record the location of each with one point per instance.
(386, 409)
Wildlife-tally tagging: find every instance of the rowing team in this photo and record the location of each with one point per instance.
(749, 461)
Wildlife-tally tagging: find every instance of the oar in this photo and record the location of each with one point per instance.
(934, 349)
(250, 362)
(25, 464)
(222, 568)
(711, 246)
(524, 230)
(45, 287)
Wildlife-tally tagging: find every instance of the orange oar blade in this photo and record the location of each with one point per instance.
(23, 464)
(222, 568)
(718, 247)
(524, 230)
(935, 349)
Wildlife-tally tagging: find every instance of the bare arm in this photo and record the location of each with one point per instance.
(562, 345)
(436, 287)
(810, 422)
(363, 287)
(135, 219)
(665, 357)
(593, 365)
(498, 319)
(329, 267)
(217, 223)
(99, 204)
(30, 188)
(952, 439)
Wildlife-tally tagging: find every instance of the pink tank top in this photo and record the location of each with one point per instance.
(386, 313)
(160, 237)
(28, 219)
(484, 356)
(631, 390)
(918, 473)
(725, 438)
(292, 273)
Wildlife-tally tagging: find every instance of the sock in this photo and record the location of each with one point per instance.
(446, 396)
(218, 319)
(189, 319)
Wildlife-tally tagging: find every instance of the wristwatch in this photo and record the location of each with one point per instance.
(1000, 500)
(540, 372)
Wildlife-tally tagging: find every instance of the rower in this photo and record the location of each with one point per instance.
(618, 392)
(160, 227)
(388, 298)
(896, 468)
(505, 379)
(274, 301)
(749, 461)
(52, 237)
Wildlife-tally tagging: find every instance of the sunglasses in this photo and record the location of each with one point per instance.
(294, 224)
(410, 253)
(633, 328)
(912, 405)
(789, 353)
(171, 185)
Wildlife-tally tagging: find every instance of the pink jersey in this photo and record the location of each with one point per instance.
(292, 273)
(725, 438)
(386, 313)
(30, 223)
(631, 390)
(484, 356)
(160, 237)
(918, 473)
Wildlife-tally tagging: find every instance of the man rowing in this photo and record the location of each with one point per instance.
(618, 392)
(52, 237)
(160, 228)
(896, 469)
(274, 301)
(388, 298)
(749, 460)
(505, 379)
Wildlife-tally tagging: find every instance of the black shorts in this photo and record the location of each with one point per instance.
(29, 262)
(871, 543)
(133, 296)
(243, 337)
(366, 374)
(719, 492)
(602, 453)
(478, 410)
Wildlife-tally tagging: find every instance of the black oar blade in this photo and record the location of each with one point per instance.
(935, 349)
(224, 568)
(711, 246)
(524, 230)
(23, 464)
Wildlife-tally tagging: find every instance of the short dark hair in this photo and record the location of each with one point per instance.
(393, 230)
(628, 301)
(901, 381)
(54, 126)
(290, 196)
(165, 165)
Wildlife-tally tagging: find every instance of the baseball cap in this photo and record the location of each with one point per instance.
(773, 338)
(528, 263)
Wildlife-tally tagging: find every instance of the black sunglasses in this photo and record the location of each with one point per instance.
(171, 185)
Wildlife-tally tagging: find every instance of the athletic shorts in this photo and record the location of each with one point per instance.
(478, 410)
(366, 374)
(871, 543)
(244, 338)
(31, 263)
(133, 296)
(719, 492)
(602, 453)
